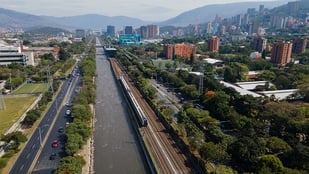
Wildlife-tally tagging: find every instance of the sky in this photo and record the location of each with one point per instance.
(148, 10)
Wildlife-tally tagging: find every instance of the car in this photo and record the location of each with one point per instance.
(68, 104)
(68, 112)
(61, 130)
(52, 156)
(55, 143)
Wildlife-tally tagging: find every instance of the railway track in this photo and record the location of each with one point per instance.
(166, 155)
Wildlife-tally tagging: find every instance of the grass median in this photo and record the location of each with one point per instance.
(15, 107)
(31, 88)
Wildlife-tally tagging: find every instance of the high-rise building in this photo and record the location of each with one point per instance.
(169, 51)
(80, 33)
(237, 20)
(153, 31)
(281, 53)
(128, 30)
(261, 9)
(245, 20)
(110, 31)
(209, 28)
(251, 11)
(213, 44)
(144, 32)
(259, 44)
(183, 50)
(299, 45)
(293, 7)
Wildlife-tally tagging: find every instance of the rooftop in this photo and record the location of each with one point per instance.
(240, 90)
(252, 85)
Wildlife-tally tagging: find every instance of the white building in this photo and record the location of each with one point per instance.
(12, 54)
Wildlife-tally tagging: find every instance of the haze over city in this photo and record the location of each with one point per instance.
(145, 10)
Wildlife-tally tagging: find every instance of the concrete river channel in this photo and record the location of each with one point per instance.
(116, 148)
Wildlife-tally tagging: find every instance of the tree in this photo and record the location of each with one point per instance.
(228, 75)
(74, 142)
(277, 145)
(81, 112)
(70, 164)
(63, 54)
(218, 105)
(272, 162)
(283, 82)
(31, 117)
(303, 87)
(214, 152)
(190, 91)
(245, 153)
(168, 65)
(267, 75)
(15, 138)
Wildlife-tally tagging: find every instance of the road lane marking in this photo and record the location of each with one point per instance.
(21, 168)
(28, 155)
(33, 146)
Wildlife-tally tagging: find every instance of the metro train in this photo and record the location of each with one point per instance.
(139, 112)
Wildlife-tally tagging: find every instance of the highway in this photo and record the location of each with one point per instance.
(44, 164)
(164, 95)
(28, 155)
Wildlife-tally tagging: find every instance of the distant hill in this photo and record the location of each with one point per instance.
(94, 21)
(283, 10)
(52, 31)
(208, 12)
(13, 19)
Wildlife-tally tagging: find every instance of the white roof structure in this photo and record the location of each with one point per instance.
(6, 48)
(2, 84)
(183, 69)
(212, 61)
(252, 85)
(196, 73)
(279, 94)
(253, 72)
(240, 90)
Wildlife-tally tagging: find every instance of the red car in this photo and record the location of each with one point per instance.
(55, 143)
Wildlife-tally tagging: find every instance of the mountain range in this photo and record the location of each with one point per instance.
(14, 19)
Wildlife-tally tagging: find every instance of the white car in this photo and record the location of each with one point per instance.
(68, 112)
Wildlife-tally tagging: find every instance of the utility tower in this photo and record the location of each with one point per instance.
(2, 103)
(201, 83)
(50, 85)
(49, 81)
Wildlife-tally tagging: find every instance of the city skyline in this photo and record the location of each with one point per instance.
(145, 10)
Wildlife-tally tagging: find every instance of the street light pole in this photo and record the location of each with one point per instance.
(40, 137)
(40, 133)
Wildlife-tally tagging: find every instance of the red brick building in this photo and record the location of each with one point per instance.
(281, 53)
(183, 50)
(213, 44)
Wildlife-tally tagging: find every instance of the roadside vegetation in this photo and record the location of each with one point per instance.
(79, 131)
(12, 142)
(10, 115)
(31, 88)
